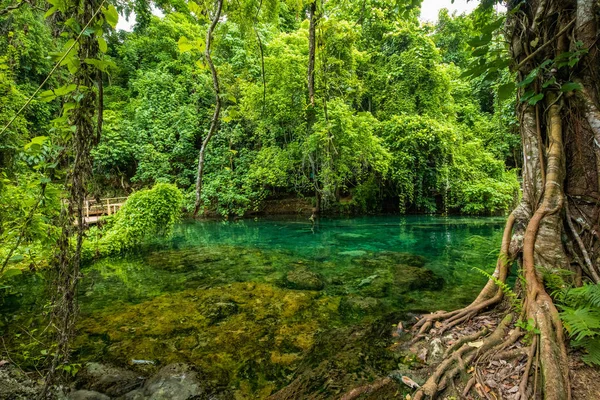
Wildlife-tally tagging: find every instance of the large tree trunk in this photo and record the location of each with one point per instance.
(555, 227)
(214, 123)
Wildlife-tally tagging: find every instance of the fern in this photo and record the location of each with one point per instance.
(508, 292)
(581, 322)
(580, 313)
(585, 295)
(592, 347)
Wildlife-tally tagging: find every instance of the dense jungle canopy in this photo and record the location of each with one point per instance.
(233, 108)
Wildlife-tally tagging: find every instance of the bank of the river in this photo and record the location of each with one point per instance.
(267, 307)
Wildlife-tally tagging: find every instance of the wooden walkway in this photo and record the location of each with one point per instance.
(94, 210)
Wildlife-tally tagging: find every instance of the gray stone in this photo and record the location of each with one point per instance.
(15, 385)
(87, 395)
(173, 382)
(110, 380)
(137, 394)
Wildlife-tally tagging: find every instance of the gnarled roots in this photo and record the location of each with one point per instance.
(546, 353)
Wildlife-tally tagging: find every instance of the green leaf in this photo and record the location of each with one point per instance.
(47, 96)
(50, 11)
(491, 27)
(529, 78)
(39, 139)
(549, 82)
(185, 44)
(111, 15)
(195, 8)
(102, 45)
(570, 86)
(480, 41)
(102, 65)
(506, 90)
(480, 51)
(535, 99)
(12, 272)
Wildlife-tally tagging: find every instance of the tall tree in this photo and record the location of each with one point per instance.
(312, 46)
(555, 56)
(214, 122)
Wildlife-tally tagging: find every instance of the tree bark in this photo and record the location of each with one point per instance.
(214, 123)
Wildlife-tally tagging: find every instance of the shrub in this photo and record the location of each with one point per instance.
(149, 212)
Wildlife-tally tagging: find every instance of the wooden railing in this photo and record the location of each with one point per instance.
(94, 209)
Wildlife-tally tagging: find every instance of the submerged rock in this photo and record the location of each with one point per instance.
(383, 259)
(303, 279)
(416, 278)
(356, 305)
(353, 253)
(377, 285)
(218, 311)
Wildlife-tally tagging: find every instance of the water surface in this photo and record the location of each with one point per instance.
(257, 304)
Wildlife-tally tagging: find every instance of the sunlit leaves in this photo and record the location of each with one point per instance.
(111, 15)
(102, 65)
(102, 45)
(184, 44)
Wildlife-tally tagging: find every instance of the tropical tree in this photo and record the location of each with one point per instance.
(554, 55)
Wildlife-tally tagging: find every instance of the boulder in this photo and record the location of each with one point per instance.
(86, 395)
(303, 279)
(172, 382)
(15, 385)
(384, 259)
(377, 285)
(109, 380)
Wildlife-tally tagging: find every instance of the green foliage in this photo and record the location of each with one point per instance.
(389, 111)
(580, 313)
(146, 213)
(514, 299)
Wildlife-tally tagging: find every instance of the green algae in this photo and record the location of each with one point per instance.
(258, 305)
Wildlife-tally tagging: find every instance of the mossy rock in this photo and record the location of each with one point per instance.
(352, 306)
(303, 279)
(378, 285)
(384, 259)
(409, 278)
(107, 379)
(218, 311)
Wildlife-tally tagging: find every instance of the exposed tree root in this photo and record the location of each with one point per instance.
(453, 364)
(366, 389)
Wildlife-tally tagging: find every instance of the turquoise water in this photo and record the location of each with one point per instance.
(254, 304)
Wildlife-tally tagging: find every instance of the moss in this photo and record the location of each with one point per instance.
(219, 329)
(303, 279)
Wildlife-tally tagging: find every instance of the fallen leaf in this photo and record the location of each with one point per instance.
(409, 382)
